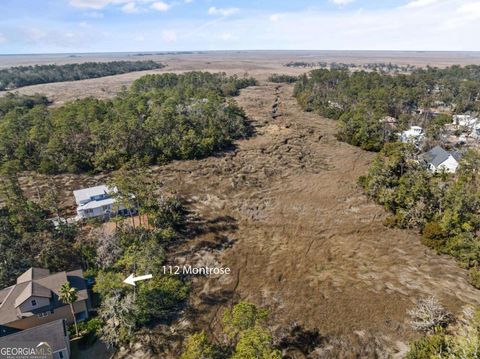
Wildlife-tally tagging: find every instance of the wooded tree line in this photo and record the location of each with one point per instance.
(159, 119)
(444, 207)
(359, 100)
(19, 76)
(27, 237)
(282, 78)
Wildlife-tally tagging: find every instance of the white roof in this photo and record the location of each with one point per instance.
(85, 194)
(97, 204)
(413, 131)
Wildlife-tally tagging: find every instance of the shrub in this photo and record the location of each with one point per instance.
(474, 277)
(89, 330)
(434, 236)
(429, 316)
(429, 347)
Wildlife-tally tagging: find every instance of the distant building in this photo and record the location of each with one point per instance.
(99, 201)
(438, 159)
(35, 300)
(53, 336)
(413, 135)
(389, 121)
(465, 121)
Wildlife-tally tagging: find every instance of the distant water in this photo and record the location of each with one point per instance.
(421, 57)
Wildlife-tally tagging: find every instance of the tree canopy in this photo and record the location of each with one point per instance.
(161, 118)
(360, 100)
(15, 77)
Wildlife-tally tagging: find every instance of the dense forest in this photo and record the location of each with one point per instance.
(159, 119)
(375, 66)
(15, 77)
(359, 100)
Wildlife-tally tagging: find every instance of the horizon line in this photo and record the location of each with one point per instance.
(154, 52)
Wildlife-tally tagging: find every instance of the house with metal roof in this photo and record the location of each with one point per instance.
(50, 337)
(439, 159)
(414, 135)
(99, 201)
(35, 300)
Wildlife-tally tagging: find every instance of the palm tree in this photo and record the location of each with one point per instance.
(68, 295)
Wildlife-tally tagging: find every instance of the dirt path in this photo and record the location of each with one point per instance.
(306, 242)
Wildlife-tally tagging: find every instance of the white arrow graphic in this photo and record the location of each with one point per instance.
(132, 279)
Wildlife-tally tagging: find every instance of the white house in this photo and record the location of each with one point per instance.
(466, 121)
(98, 201)
(413, 135)
(438, 159)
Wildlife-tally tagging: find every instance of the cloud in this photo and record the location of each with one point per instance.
(130, 8)
(222, 11)
(169, 36)
(96, 4)
(341, 2)
(470, 11)
(3, 39)
(420, 3)
(160, 6)
(275, 17)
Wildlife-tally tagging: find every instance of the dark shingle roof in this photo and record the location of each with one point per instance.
(15, 295)
(33, 289)
(437, 155)
(53, 333)
(32, 274)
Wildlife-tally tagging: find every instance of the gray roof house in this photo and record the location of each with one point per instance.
(35, 300)
(53, 337)
(439, 159)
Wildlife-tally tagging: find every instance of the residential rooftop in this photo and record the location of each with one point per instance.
(38, 282)
(53, 333)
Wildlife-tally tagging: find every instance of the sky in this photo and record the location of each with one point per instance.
(58, 26)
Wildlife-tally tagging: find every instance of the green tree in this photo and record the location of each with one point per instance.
(68, 295)
(245, 325)
(198, 347)
(255, 343)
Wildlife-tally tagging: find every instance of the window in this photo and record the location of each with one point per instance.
(60, 355)
(89, 211)
(41, 315)
(34, 302)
